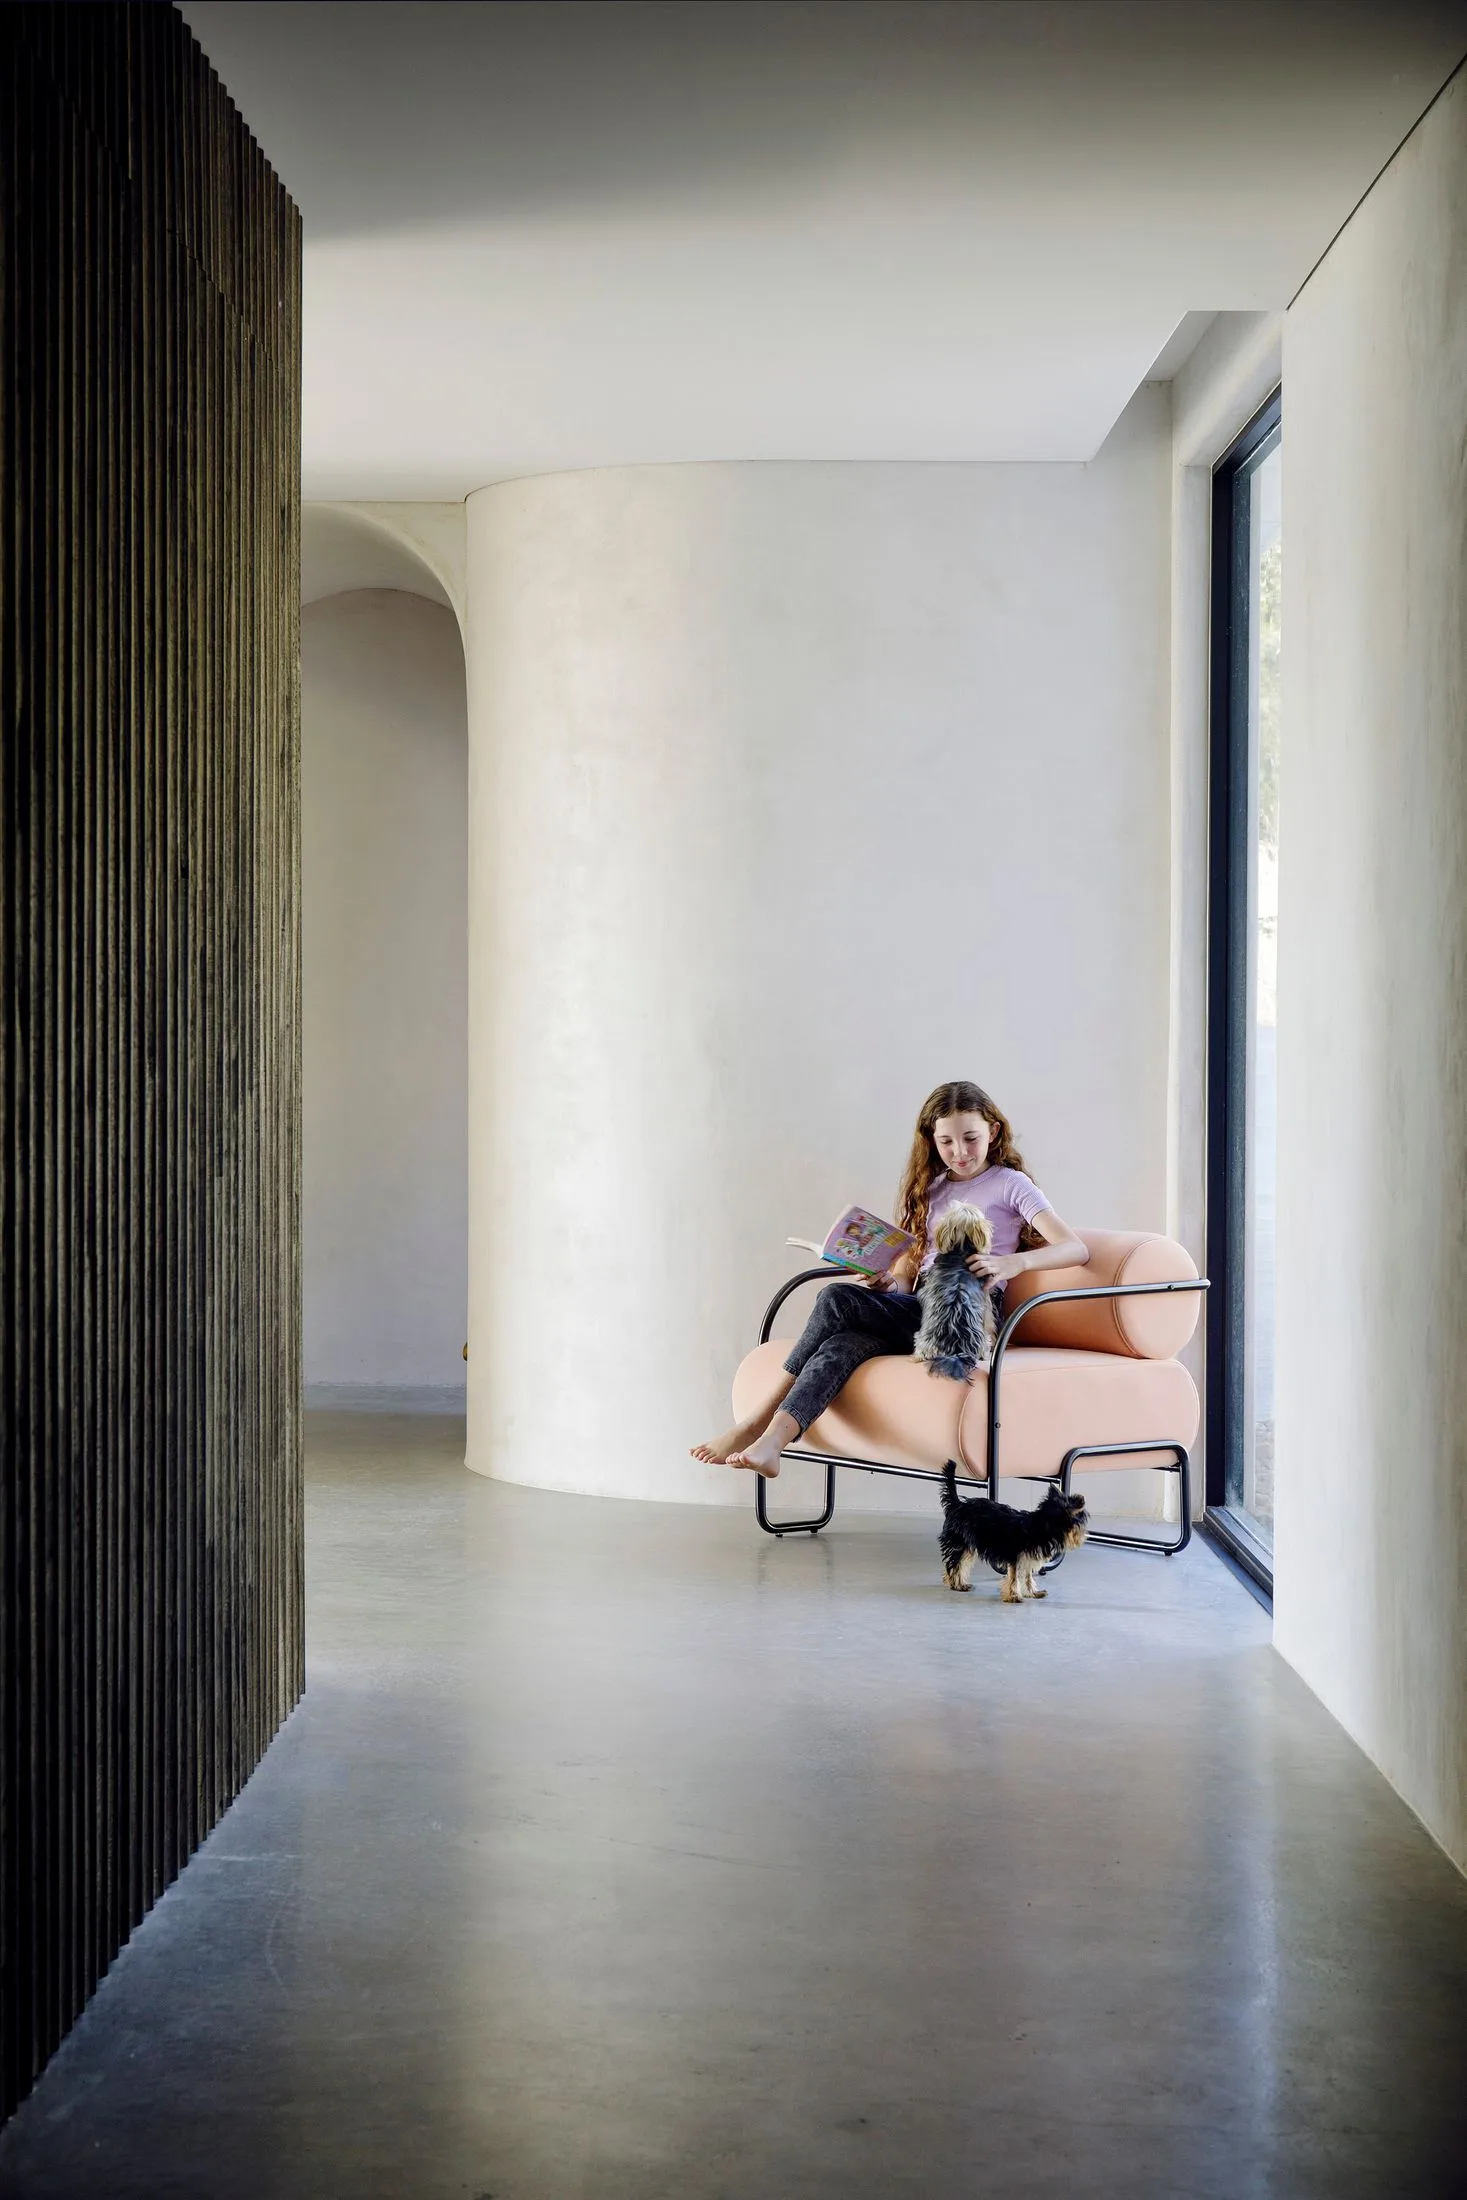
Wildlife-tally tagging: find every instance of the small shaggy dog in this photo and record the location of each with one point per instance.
(1015, 1544)
(956, 1336)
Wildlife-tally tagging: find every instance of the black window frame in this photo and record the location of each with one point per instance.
(1228, 947)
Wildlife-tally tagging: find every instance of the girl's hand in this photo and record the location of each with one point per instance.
(996, 1267)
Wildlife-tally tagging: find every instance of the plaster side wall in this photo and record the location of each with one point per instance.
(794, 789)
(385, 996)
(1372, 1302)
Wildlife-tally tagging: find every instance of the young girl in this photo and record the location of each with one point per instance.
(963, 1150)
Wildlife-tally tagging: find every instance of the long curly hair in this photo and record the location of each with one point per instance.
(958, 1097)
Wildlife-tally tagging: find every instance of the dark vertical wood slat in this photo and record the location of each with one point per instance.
(188, 1631)
(131, 1825)
(110, 588)
(70, 776)
(45, 1509)
(150, 1508)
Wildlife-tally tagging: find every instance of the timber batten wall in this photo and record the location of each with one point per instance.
(150, 1513)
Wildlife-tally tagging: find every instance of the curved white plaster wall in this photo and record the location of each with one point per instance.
(1372, 1152)
(384, 931)
(793, 789)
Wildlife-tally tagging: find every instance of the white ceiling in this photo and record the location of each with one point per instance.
(544, 234)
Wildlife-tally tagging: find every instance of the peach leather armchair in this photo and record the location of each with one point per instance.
(1095, 1378)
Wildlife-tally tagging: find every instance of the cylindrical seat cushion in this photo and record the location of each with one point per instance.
(1154, 1326)
(893, 1410)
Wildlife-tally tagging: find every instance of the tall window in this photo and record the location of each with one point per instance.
(1243, 998)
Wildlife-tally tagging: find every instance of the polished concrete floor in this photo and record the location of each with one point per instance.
(619, 1853)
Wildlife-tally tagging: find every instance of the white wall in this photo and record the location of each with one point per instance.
(1371, 1533)
(794, 789)
(385, 954)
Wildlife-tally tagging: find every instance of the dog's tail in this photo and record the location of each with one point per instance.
(950, 1484)
(948, 1363)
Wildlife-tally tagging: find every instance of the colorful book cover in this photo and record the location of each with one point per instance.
(861, 1241)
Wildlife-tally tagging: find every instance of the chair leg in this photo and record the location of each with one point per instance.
(792, 1527)
(1177, 1465)
(1051, 1565)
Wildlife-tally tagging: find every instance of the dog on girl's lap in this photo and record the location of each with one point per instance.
(1015, 1544)
(958, 1308)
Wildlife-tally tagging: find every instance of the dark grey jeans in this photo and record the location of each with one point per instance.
(849, 1325)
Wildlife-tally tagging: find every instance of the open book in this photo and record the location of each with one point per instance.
(860, 1241)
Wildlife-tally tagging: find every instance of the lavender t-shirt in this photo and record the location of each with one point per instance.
(1006, 1196)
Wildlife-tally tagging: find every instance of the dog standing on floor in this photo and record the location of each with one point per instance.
(1015, 1544)
(957, 1332)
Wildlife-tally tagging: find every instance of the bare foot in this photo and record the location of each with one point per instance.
(722, 1449)
(762, 1457)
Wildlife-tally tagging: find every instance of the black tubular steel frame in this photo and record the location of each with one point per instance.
(1177, 1464)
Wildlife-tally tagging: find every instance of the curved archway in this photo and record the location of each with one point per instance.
(384, 751)
(417, 549)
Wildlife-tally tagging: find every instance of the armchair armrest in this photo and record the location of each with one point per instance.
(1028, 1306)
(827, 1272)
(1080, 1313)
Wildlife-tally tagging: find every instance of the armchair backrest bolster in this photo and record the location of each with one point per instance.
(1152, 1327)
